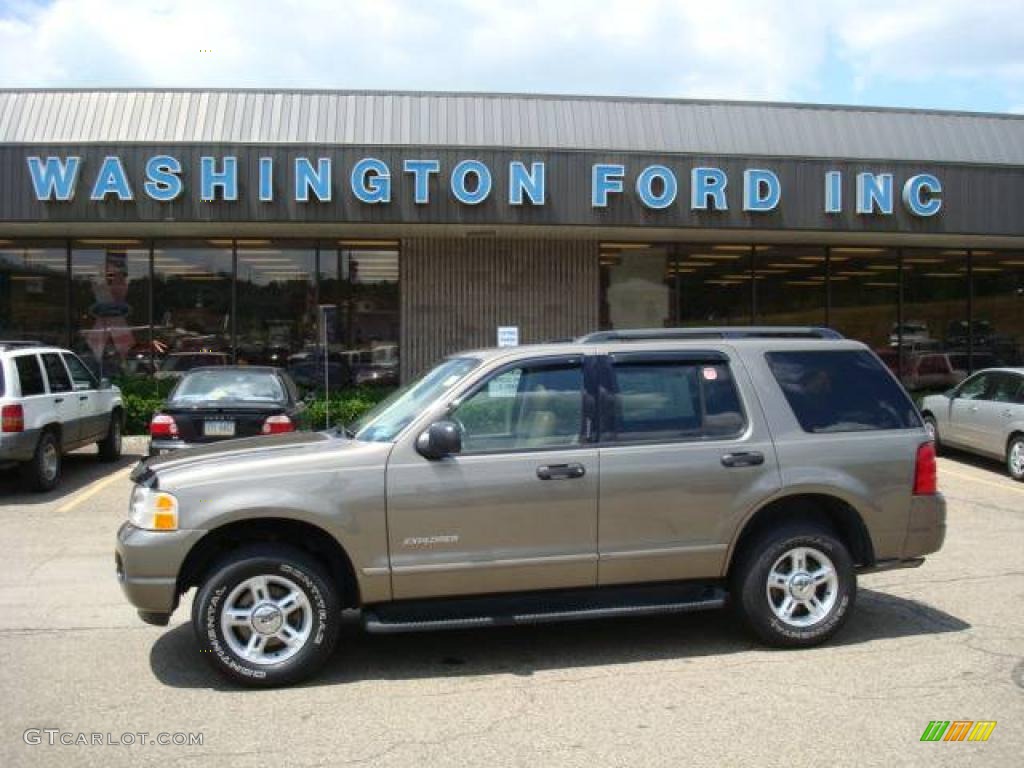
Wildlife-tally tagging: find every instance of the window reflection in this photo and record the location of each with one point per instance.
(33, 291)
(276, 294)
(360, 303)
(934, 333)
(998, 337)
(790, 284)
(713, 285)
(865, 306)
(191, 305)
(110, 306)
(637, 282)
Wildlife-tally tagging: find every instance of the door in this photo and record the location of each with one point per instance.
(93, 404)
(995, 412)
(65, 400)
(965, 411)
(683, 459)
(40, 407)
(517, 508)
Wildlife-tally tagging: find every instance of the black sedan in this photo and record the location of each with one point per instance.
(225, 402)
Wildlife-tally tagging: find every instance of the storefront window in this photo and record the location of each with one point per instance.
(110, 306)
(934, 335)
(276, 303)
(360, 303)
(33, 291)
(998, 337)
(865, 306)
(790, 285)
(637, 285)
(191, 305)
(713, 285)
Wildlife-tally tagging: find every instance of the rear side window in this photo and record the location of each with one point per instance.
(30, 375)
(669, 400)
(56, 373)
(841, 391)
(81, 375)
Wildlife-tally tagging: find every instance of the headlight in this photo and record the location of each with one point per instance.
(153, 510)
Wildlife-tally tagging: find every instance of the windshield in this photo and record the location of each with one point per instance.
(248, 386)
(383, 423)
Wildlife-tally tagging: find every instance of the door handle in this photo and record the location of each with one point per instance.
(58, 399)
(743, 459)
(83, 397)
(561, 471)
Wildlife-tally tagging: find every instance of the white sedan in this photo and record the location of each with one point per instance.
(983, 414)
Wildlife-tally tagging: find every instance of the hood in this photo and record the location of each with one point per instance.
(255, 457)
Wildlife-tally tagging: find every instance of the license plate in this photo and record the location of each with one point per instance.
(220, 428)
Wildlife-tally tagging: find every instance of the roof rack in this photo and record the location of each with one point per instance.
(715, 332)
(17, 343)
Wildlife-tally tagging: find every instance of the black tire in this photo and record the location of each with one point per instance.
(38, 474)
(1014, 468)
(751, 593)
(932, 426)
(110, 445)
(277, 562)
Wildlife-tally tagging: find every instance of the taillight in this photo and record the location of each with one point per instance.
(12, 418)
(276, 424)
(163, 425)
(925, 471)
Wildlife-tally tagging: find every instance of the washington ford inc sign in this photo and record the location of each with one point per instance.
(470, 182)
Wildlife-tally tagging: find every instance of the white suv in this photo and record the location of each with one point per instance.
(51, 403)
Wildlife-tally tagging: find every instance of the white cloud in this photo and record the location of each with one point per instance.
(724, 48)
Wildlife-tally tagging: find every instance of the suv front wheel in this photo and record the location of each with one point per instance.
(267, 616)
(795, 586)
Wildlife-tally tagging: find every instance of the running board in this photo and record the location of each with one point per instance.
(539, 608)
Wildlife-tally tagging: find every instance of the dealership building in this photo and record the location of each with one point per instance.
(142, 226)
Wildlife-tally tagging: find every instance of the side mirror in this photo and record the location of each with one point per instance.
(440, 440)
(105, 383)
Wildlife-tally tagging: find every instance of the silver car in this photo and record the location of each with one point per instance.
(983, 415)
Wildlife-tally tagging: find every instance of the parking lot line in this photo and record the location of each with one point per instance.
(91, 490)
(975, 479)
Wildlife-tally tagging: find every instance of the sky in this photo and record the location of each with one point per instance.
(943, 54)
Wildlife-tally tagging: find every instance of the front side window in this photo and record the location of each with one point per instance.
(30, 374)
(529, 407)
(80, 375)
(841, 391)
(976, 387)
(56, 373)
(383, 423)
(673, 400)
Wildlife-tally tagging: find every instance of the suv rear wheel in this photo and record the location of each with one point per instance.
(795, 586)
(932, 428)
(42, 472)
(267, 616)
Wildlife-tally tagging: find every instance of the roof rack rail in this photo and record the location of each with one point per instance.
(16, 343)
(714, 332)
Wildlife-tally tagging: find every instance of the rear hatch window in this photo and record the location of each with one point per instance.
(841, 391)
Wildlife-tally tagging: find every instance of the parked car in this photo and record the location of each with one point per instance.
(984, 415)
(546, 483)
(51, 403)
(930, 370)
(177, 364)
(209, 405)
(912, 331)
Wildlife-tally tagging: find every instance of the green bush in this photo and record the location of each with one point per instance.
(144, 396)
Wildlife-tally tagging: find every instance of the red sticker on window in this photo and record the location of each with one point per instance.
(710, 374)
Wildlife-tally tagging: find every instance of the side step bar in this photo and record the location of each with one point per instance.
(539, 608)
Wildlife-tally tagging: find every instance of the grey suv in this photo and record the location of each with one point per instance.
(542, 483)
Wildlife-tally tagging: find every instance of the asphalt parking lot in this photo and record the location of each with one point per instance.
(943, 642)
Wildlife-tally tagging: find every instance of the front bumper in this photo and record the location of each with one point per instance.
(147, 565)
(926, 529)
